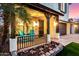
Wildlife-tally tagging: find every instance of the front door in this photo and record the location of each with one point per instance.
(41, 28)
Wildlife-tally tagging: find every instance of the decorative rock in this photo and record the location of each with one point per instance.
(51, 51)
(47, 54)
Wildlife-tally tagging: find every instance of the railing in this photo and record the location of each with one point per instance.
(28, 41)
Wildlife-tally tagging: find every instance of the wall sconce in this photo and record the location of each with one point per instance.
(35, 23)
(55, 23)
(75, 26)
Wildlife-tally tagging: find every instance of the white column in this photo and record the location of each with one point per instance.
(48, 38)
(13, 46)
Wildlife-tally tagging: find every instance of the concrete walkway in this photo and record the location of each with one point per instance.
(66, 39)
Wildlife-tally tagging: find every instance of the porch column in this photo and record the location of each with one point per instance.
(12, 40)
(68, 28)
(48, 16)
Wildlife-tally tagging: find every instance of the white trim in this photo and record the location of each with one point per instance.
(48, 38)
(13, 44)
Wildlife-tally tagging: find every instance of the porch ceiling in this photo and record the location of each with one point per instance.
(43, 8)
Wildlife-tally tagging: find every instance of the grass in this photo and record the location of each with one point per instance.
(71, 49)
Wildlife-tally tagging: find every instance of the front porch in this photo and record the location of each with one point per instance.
(43, 28)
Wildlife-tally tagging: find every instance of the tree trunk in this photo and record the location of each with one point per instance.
(6, 28)
(5, 43)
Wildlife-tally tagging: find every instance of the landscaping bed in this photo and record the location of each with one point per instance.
(49, 49)
(71, 49)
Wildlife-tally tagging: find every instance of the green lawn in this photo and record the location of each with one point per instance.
(71, 49)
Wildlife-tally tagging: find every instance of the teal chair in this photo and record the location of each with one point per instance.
(21, 33)
(32, 34)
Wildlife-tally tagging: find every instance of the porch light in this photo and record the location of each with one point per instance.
(55, 23)
(75, 26)
(35, 23)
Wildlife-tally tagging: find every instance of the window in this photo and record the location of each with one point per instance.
(62, 7)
